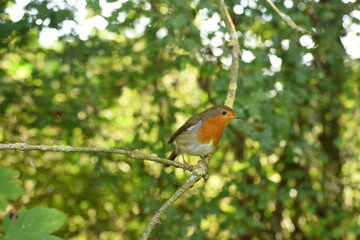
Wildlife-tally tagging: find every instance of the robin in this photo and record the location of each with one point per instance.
(202, 132)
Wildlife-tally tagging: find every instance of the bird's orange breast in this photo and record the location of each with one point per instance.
(213, 129)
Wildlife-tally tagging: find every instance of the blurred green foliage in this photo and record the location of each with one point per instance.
(288, 170)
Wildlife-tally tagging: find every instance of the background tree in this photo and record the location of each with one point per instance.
(127, 74)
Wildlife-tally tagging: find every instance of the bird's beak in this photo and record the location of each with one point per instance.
(237, 117)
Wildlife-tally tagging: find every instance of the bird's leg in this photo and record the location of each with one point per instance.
(186, 165)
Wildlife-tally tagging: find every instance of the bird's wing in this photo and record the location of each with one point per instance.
(188, 125)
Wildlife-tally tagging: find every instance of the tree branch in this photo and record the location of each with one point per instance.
(63, 148)
(196, 175)
(286, 18)
(235, 53)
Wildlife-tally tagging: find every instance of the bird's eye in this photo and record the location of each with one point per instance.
(223, 112)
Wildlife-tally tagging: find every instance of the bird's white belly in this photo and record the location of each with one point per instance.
(191, 146)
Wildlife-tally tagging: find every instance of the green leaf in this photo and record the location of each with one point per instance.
(8, 189)
(51, 237)
(33, 224)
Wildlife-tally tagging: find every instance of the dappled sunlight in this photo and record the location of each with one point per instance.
(127, 74)
(84, 24)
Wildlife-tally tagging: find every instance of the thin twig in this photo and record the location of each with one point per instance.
(63, 148)
(195, 176)
(286, 18)
(235, 53)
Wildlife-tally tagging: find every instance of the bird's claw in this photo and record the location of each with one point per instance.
(204, 165)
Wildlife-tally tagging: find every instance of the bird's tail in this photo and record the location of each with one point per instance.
(173, 155)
